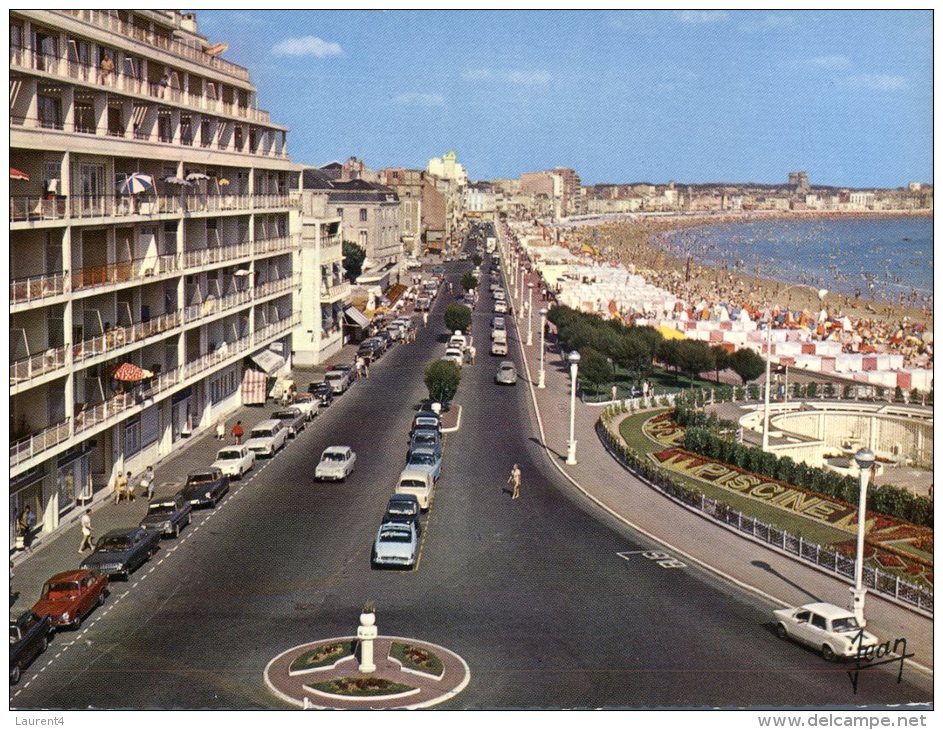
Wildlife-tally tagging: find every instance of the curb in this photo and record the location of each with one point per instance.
(613, 513)
(458, 424)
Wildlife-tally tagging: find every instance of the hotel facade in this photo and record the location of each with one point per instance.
(156, 249)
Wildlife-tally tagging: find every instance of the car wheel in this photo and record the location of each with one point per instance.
(177, 530)
(827, 653)
(15, 674)
(77, 624)
(45, 642)
(101, 599)
(781, 631)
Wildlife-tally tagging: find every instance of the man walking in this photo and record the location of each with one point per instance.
(86, 522)
(471, 354)
(425, 319)
(515, 481)
(147, 482)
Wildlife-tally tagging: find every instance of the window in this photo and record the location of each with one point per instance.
(163, 128)
(115, 122)
(186, 131)
(802, 617)
(50, 112)
(340, 212)
(92, 180)
(363, 215)
(363, 240)
(132, 436)
(84, 118)
(818, 621)
(206, 136)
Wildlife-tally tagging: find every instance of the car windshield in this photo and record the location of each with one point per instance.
(334, 376)
(231, 454)
(412, 483)
(847, 623)
(290, 415)
(261, 433)
(422, 459)
(507, 368)
(116, 544)
(395, 536)
(333, 456)
(424, 437)
(161, 507)
(201, 478)
(60, 589)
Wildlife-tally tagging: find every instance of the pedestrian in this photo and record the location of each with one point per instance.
(86, 522)
(425, 318)
(221, 429)
(107, 67)
(129, 493)
(471, 354)
(515, 481)
(358, 367)
(147, 482)
(121, 487)
(27, 520)
(615, 392)
(238, 432)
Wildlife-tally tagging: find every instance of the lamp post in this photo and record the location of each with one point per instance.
(543, 328)
(769, 347)
(530, 313)
(865, 460)
(513, 273)
(574, 359)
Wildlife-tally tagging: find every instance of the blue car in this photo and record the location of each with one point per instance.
(120, 552)
(425, 460)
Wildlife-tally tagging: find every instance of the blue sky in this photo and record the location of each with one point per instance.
(693, 96)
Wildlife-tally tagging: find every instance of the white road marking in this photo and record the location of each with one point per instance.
(662, 558)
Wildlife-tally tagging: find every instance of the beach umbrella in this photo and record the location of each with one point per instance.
(174, 180)
(18, 174)
(222, 181)
(134, 183)
(131, 373)
(194, 176)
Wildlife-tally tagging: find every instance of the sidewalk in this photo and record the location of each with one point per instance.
(694, 538)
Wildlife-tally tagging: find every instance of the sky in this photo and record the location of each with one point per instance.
(624, 96)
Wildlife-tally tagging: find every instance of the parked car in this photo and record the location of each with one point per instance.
(336, 464)
(68, 597)
(205, 487)
(234, 461)
(120, 552)
(292, 418)
(418, 483)
(497, 325)
(425, 438)
(403, 508)
(169, 515)
(426, 419)
(425, 460)
(499, 294)
(323, 392)
(499, 345)
(507, 373)
(458, 340)
(396, 545)
(385, 339)
(267, 437)
(422, 303)
(500, 307)
(307, 403)
(29, 637)
(394, 331)
(453, 354)
(339, 380)
(826, 628)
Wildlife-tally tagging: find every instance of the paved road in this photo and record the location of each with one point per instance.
(531, 593)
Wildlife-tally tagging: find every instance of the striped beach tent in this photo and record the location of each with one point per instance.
(253, 387)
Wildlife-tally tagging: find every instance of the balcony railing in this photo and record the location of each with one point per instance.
(276, 328)
(215, 254)
(28, 447)
(270, 200)
(26, 208)
(39, 364)
(277, 243)
(273, 287)
(334, 292)
(126, 271)
(36, 287)
(212, 203)
(216, 304)
(117, 338)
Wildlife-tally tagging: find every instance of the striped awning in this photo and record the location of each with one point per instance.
(359, 318)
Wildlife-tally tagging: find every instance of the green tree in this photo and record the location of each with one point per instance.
(747, 364)
(695, 357)
(442, 379)
(457, 317)
(353, 259)
(469, 281)
(476, 259)
(721, 360)
(594, 367)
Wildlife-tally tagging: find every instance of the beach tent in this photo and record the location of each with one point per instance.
(669, 333)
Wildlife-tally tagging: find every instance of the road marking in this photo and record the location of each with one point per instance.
(662, 558)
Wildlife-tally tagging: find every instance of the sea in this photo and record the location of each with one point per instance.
(882, 258)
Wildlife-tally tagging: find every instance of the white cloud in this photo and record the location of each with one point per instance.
(700, 17)
(834, 61)
(308, 45)
(415, 98)
(528, 78)
(876, 82)
(767, 23)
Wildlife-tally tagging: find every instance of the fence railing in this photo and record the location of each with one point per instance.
(822, 556)
(118, 337)
(25, 448)
(36, 287)
(272, 287)
(276, 243)
(215, 254)
(334, 292)
(39, 364)
(125, 271)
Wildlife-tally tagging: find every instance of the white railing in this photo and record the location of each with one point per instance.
(126, 271)
(26, 208)
(28, 447)
(36, 287)
(39, 364)
(119, 337)
(215, 254)
(273, 287)
(276, 243)
(335, 292)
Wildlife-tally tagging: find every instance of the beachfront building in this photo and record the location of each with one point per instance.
(153, 246)
(436, 222)
(407, 184)
(479, 200)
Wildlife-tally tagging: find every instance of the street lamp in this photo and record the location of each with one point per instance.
(574, 360)
(865, 459)
(543, 327)
(530, 313)
(769, 347)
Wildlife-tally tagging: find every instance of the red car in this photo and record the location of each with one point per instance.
(69, 597)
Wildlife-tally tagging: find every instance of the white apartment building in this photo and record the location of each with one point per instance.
(155, 247)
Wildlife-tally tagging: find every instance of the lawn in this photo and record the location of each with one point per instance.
(631, 431)
(664, 382)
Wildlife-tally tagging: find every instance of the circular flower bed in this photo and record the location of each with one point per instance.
(417, 659)
(322, 656)
(361, 687)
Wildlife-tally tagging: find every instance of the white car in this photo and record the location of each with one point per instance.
(417, 482)
(500, 307)
(499, 294)
(507, 373)
(339, 380)
(826, 628)
(307, 404)
(234, 461)
(458, 340)
(453, 354)
(396, 545)
(267, 437)
(336, 464)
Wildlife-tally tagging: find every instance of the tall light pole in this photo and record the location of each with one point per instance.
(865, 460)
(530, 313)
(514, 276)
(543, 328)
(574, 360)
(769, 340)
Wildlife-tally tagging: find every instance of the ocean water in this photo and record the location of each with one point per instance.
(888, 259)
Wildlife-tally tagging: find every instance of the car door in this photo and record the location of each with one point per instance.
(85, 595)
(801, 627)
(818, 631)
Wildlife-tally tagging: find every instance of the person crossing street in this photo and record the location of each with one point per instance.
(86, 532)
(515, 481)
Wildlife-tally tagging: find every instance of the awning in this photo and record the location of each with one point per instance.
(357, 316)
(268, 361)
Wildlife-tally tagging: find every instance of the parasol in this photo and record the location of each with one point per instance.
(174, 180)
(18, 174)
(131, 373)
(193, 176)
(222, 182)
(134, 183)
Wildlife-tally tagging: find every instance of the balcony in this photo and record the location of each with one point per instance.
(44, 362)
(276, 243)
(214, 305)
(331, 249)
(275, 328)
(36, 287)
(92, 277)
(30, 446)
(335, 292)
(274, 287)
(270, 200)
(108, 206)
(214, 203)
(25, 208)
(216, 254)
(115, 339)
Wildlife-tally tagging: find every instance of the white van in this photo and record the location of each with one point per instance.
(417, 483)
(267, 437)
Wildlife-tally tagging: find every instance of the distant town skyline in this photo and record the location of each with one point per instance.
(692, 96)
